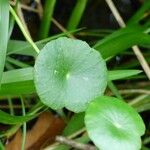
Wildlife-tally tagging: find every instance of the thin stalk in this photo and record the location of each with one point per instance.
(74, 144)
(62, 28)
(46, 19)
(21, 17)
(11, 106)
(24, 125)
(114, 90)
(135, 48)
(134, 91)
(23, 30)
(12, 20)
(138, 99)
(53, 146)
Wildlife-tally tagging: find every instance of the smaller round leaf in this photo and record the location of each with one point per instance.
(68, 73)
(114, 125)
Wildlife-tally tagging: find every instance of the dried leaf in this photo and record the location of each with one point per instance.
(15, 143)
(42, 133)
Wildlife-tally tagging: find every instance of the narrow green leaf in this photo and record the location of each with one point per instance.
(68, 73)
(112, 124)
(140, 13)
(120, 74)
(114, 90)
(6, 118)
(4, 25)
(76, 15)
(24, 125)
(21, 47)
(46, 19)
(121, 40)
(17, 62)
(76, 123)
(17, 75)
(20, 81)
(25, 33)
(26, 87)
(16, 82)
(24, 48)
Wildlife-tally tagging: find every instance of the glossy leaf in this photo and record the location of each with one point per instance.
(113, 125)
(68, 73)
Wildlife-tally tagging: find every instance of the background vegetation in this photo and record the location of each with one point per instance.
(118, 29)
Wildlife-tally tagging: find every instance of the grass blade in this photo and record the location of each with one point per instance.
(140, 13)
(24, 124)
(4, 25)
(23, 30)
(17, 62)
(119, 74)
(46, 20)
(6, 118)
(121, 40)
(16, 82)
(76, 15)
(114, 90)
(24, 48)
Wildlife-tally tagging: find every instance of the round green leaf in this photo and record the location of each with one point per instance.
(68, 73)
(114, 125)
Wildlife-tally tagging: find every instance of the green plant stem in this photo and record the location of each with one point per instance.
(46, 19)
(24, 125)
(12, 20)
(23, 30)
(138, 99)
(76, 15)
(10, 106)
(114, 90)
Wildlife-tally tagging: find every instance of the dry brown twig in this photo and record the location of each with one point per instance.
(53, 146)
(20, 14)
(136, 49)
(140, 91)
(39, 11)
(74, 144)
